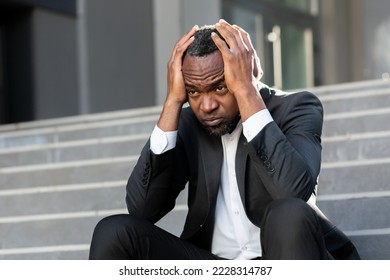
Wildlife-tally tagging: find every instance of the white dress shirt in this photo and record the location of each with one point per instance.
(235, 237)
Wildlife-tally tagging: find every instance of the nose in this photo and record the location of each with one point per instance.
(208, 103)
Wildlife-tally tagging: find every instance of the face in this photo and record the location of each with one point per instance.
(214, 106)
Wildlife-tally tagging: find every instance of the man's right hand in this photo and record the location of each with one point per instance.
(176, 95)
(176, 87)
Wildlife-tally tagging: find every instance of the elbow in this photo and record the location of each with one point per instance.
(306, 186)
(301, 186)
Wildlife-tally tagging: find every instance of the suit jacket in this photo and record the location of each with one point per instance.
(282, 161)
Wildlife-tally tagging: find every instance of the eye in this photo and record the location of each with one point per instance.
(192, 92)
(220, 88)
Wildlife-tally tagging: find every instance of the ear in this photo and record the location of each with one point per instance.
(257, 70)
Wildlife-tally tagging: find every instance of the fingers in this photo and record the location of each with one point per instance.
(221, 45)
(257, 71)
(232, 35)
(245, 36)
(239, 40)
(182, 45)
(187, 37)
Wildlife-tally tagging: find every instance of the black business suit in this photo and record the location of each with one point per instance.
(282, 161)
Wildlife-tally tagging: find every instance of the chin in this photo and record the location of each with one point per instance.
(222, 128)
(218, 130)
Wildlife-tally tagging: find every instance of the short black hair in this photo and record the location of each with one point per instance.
(203, 44)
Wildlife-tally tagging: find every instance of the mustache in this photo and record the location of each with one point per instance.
(222, 128)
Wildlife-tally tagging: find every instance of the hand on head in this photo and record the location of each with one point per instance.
(241, 61)
(176, 87)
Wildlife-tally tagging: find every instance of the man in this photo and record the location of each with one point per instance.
(250, 155)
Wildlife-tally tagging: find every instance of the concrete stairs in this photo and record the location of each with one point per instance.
(59, 177)
(354, 189)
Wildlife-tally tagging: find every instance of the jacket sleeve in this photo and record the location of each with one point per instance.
(287, 152)
(154, 185)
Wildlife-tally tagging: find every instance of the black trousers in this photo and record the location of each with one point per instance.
(290, 230)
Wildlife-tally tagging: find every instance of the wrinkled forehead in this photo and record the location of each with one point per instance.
(203, 69)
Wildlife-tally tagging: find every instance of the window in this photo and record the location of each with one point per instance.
(284, 35)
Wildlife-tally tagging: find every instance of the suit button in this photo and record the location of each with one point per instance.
(271, 169)
(262, 154)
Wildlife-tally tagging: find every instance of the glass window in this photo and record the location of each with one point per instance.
(284, 44)
(306, 6)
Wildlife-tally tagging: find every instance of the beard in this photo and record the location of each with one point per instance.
(223, 128)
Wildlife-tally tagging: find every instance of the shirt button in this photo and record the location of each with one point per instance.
(244, 248)
(236, 212)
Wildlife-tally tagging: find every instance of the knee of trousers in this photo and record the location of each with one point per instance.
(289, 216)
(113, 226)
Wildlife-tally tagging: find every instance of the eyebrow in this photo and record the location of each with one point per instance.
(209, 87)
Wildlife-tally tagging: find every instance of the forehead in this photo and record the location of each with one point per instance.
(203, 70)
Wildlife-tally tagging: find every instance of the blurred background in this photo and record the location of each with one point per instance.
(72, 57)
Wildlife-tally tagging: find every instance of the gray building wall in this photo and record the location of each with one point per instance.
(339, 41)
(355, 40)
(98, 57)
(120, 44)
(54, 64)
(376, 30)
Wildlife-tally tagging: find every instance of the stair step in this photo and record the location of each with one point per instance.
(74, 172)
(13, 208)
(73, 150)
(369, 145)
(357, 214)
(50, 201)
(32, 126)
(47, 233)
(373, 247)
(361, 86)
(64, 252)
(41, 136)
(354, 176)
(62, 231)
(356, 122)
(366, 100)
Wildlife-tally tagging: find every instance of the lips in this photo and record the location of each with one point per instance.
(213, 122)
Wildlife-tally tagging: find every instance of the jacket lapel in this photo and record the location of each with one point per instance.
(266, 93)
(211, 156)
(241, 158)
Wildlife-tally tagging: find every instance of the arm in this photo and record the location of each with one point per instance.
(156, 179)
(177, 95)
(155, 183)
(287, 152)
